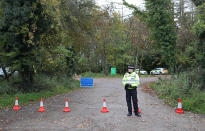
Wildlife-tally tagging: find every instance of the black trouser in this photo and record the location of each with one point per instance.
(132, 93)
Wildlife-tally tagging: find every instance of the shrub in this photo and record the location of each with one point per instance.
(183, 85)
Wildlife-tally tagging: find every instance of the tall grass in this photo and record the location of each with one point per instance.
(182, 86)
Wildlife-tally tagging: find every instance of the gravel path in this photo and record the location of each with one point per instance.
(85, 112)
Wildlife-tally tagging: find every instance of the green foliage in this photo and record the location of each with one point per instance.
(6, 88)
(21, 28)
(83, 64)
(159, 16)
(198, 2)
(188, 58)
(141, 14)
(55, 61)
(199, 29)
(75, 17)
(33, 45)
(104, 46)
(161, 21)
(183, 86)
(54, 37)
(1, 11)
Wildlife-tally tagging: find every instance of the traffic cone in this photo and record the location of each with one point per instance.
(67, 109)
(16, 107)
(139, 111)
(104, 109)
(41, 109)
(179, 109)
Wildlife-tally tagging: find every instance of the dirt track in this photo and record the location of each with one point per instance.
(85, 112)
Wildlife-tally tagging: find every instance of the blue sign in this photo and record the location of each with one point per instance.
(86, 82)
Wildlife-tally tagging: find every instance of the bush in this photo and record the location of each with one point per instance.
(193, 98)
(6, 88)
(41, 82)
(44, 86)
(10, 87)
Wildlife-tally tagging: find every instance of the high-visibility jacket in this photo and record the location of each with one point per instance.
(132, 79)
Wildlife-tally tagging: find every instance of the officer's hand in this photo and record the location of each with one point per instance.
(126, 86)
(129, 85)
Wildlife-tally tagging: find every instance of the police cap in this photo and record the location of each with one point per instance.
(131, 67)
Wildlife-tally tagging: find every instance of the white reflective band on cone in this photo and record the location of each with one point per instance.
(16, 102)
(66, 104)
(180, 105)
(41, 104)
(104, 104)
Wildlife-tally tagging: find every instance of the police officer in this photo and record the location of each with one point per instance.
(130, 82)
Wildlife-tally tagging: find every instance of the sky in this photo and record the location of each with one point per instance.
(126, 11)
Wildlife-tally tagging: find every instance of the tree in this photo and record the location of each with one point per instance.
(21, 29)
(139, 36)
(159, 16)
(199, 28)
(1, 11)
(78, 29)
(184, 13)
(186, 38)
(198, 2)
(161, 21)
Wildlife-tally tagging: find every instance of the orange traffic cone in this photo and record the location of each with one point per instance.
(139, 111)
(104, 109)
(67, 109)
(41, 109)
(179, 109)
(16, 107)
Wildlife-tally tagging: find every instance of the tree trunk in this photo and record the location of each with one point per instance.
(5, 73)
(27, 79)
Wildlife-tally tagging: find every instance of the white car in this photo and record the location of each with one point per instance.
(1, 71)
(159, 71)
(143, 72)
(8, 72)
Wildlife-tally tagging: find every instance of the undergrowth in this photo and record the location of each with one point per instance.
(43, 87)
(181, 86)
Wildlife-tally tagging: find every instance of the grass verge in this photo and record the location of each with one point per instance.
(193, 98)
(46, 87)
(102, 75)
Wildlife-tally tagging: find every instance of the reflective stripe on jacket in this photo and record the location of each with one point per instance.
(132, 79)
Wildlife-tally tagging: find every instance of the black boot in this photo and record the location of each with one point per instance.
(138, 115)
(129, 114)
